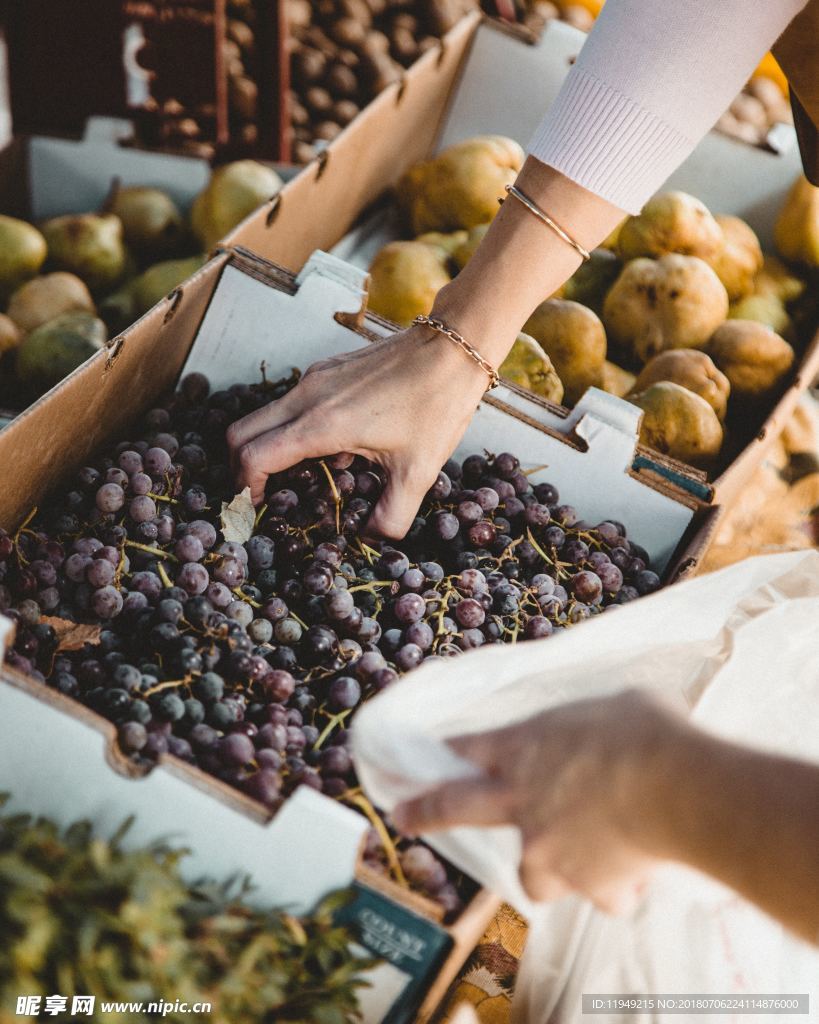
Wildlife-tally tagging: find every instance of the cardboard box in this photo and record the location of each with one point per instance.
(58, 757)
(489, 79)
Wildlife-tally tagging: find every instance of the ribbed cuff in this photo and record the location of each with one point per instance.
(607, 143)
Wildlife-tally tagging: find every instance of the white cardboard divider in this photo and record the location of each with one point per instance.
(249, 321)
(70, 176)
(309, 849)
(75, 177)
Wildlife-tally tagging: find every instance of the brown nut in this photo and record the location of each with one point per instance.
(349, 58)
(299, 13)
(406, 21)
(303, 152)
(348, 33)
(344, 111)
(242, 35)
(244, 98)
(404, 47)
(326, 131)
(318, 100)
(298, 113)
(341, 81)
(308, 66)
(358, 10)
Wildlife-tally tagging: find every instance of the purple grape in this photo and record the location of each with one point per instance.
(236, 749)
(445, 525)
(537, 626)
(107, 602)
(110, 498)
(441, 489)
(100, 572)
(142, 509)
(420, 634)
(470, 613)
(193, 578)
(408, 657)
(587, 587)
(482, 534)
(344, 693)
(611, 578)
(189, 549)
(487, 498)
(229, 571)
(646, 582)
(409, 608)
(157, 461)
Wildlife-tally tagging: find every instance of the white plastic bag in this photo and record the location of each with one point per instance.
(740, 650)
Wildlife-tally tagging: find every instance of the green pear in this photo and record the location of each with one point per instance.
(151, 221)
(22, 252)
(89, 245)
(233, 192)
(58, 347)
(160, 279)
(44, 298)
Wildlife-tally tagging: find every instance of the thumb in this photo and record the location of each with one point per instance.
(393, 515)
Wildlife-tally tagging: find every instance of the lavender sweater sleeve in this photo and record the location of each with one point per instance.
(650, 81)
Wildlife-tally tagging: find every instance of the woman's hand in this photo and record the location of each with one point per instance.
(584, 783)
(404, 403)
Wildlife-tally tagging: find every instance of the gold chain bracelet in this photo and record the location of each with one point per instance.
(461, 342)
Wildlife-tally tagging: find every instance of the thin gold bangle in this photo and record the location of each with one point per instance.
(461, 342)
(513, 190)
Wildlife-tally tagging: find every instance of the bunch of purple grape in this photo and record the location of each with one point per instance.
(249, 659)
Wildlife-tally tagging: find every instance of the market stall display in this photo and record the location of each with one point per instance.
(71, 281)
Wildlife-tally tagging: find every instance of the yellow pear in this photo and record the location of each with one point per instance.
(797, 228)
(22, 252)
(405, 277)
(233, 192)
(44, 298)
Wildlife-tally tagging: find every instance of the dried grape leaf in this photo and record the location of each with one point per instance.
(238, 518)
(71, 636)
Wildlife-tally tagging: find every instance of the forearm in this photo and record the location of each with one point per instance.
(521, 261)
(748, 819)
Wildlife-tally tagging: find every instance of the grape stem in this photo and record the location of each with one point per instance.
(162, 497)
(259, 516)
(334, 492)
(363, 804)
(22, 528)
(167, 685)
(372, 585)
(158, 552)
(243, 597)
(166, 580)
(333, 723)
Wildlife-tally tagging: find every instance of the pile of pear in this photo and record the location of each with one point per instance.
(71, 282)
(679, 310)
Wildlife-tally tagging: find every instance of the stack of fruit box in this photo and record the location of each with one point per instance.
(60, 758)
(489, 79)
